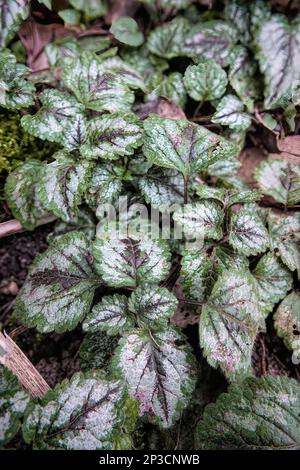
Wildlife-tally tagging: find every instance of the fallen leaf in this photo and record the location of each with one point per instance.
(161, 106)
(289, 148)
(250, 158)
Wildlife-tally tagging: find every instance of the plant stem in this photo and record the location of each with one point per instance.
(15, 360)
(186, 187)
(13, 226)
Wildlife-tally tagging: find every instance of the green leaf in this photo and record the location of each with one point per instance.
(112, 135)
(92, 9)
(206, 81)
(13, 402)
(237, 13)
(213, 39)
(16, 91)
(148, 306)
(59, 289)
(131, 261)
(128, 75)
(284, 239)
(105, 184)
(83, 222)
(277, 42)
(230, 112)
(110, 315)
(200, 269)
(94, 86)
(256, 414)
(70, 16)
(22, 196)
(171, 87)
(160, 373)
(152, 306)
(243, 78)
(85, 413)
(248, 235)
(62, 185)
(182, 145)
(229, 323)
(12, 14)
(279, 179)
(287, 322)
(274, 280)
(54, 117)
(162, 189)
(126, 30)
(166, 40)
(96, 350)
(202, 219)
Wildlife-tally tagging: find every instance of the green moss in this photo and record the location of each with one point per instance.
(17, 146)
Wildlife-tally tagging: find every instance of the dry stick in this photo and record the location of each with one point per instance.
(15, 360)
(13, 226)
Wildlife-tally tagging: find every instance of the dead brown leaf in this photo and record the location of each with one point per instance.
(35, 36)
(250, 158)
(161, 106)
(289, 148)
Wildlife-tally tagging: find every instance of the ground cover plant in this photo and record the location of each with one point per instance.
(160, 142)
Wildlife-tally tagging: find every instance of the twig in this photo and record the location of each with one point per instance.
(15, 360)
(263, 357)
(13, 226)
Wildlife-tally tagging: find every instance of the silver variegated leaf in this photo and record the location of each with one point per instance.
(22, 195)
(16, 91)
(159, 372)
(201, 219)
(12, 14)
(230, 112)
(152, 306)
(75, 133)
(162, 189)
(255, 414)
(284, 239)
(130, 76)
(274, 280)
(166, 40)
(229, 323)
(111, 136)
(171, 87)
(85, 413)
(287, 323)
(213, 39)
(243, 78)
(94, 86)
(279, 179)
(13, 402)
(131, 261)
(277, 42)
(206, 81)
(59, 289)
(105, 184)
(183, 146)
(201, 268)
(84, 222)
(248, 235)
(53, 119)
(237, 13)
(110, 315)
(62, 185)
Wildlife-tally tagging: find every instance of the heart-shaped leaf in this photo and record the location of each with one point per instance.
(59, 289)
(126, 30)
(229, 323)
(160, 374)
(255, 414)
(85, 413)
(206, 81)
